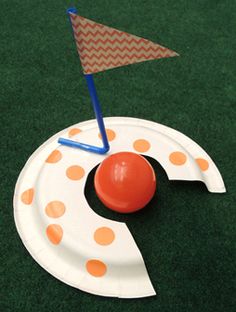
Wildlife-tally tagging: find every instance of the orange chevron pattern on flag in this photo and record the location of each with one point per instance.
(101, 47)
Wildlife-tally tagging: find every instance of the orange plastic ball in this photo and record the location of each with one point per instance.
(125, 182)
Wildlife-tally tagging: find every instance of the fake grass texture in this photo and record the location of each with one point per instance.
(186, 235)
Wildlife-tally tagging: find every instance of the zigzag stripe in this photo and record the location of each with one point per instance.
(119, 39)
(121, 51)
(115, 47)
(126, 48)
(81, 32)
(116, 52)
(125, 55)
(104, 64)
(105, 41)
(111, 46)
(119, 60)
(101, 47)
(88, 66)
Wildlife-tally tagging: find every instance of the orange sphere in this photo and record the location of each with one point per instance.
(125, 182)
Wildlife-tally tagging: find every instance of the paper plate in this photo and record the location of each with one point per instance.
(60, 230)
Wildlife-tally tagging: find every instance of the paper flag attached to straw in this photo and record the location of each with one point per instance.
(101, 47)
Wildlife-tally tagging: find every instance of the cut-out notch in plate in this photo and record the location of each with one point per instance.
(64, 242)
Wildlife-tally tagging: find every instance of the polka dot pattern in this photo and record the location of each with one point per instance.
(52, 185)
(111, 135)
(202, 163)
(75, 172)
(27, 196)
(73, 132)
(54, 157)
(55, 209)
(96, 268)
(104, 236)
(178, 158)
(141, 145)
(54, 233)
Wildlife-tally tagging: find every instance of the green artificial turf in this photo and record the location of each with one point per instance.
(186, 235)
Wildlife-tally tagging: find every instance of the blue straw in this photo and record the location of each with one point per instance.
(98, 115)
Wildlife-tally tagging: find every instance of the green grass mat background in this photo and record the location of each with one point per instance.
(186, 235)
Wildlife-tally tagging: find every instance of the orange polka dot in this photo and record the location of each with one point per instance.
(110, 135)
(27, 196)
(54, 233)
(104, 236)
(54, 157)
(202, 163)
(96, 268)
(141, 145)
(55, 209)
(75, 172)
(178, 158)
(73, 131)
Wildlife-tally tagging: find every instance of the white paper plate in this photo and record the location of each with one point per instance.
(65, 236)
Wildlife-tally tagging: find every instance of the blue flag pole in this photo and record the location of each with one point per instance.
(98, 115)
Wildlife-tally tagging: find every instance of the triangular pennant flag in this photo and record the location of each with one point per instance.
(101, 47)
